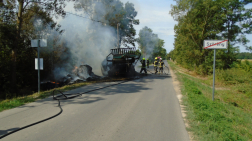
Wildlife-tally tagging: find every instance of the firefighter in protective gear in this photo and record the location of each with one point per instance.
(155, 63)
(143, 66)
(148, 62)
(161, 66)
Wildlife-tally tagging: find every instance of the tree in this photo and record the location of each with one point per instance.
(127, 30)
(201, 20)
(159, 50)
(23, 7)
(149, 44)
(237, 24)
(115, 14)
(147, 41)
(22, 27)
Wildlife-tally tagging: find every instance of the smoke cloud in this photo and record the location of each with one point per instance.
(148, 41)
(88, 42)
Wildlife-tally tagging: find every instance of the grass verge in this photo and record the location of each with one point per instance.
(19, 101)
(208, 120)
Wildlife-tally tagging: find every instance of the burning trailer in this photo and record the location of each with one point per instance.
(120, 62)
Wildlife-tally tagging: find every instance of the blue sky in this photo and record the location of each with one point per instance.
(155, 15)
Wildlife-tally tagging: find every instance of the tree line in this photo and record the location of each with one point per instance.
(244, 55)
(200, 20)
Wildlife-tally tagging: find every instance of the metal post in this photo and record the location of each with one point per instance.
(118, 36)
(38, 67)
(214, 72)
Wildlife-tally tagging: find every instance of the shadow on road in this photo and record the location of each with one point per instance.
(127, 87)
(3, 132)
(104, 89)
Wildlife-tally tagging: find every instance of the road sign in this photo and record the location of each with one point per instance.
(41, 64)
(43, 43)
(215, 44)
(38, 43)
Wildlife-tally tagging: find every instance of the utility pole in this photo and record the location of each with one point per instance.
(118, 35)
(38, 68)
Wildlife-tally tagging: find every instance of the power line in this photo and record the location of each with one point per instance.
(85, 17)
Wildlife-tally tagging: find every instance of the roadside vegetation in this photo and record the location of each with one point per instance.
(229, 116)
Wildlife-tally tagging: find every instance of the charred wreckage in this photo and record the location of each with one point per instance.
(119, 63)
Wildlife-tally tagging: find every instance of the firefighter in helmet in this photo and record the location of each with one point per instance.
(161, 66)
(148, 62)
(143, 66)
(155, 63)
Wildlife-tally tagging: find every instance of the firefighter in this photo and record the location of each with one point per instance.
(161, 66)
(155, 63)
(148, 63)
(143, 66)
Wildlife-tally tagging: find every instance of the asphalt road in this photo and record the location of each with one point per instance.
(145, 109)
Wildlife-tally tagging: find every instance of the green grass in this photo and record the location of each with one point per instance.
(19, 101)
(213, 121)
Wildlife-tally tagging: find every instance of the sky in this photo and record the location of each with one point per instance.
(155, 15)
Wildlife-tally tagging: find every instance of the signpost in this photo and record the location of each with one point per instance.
(41, 64)
(215, 44)
(38, 43)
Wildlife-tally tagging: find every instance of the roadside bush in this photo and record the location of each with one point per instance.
(246, 65)
(234, 75)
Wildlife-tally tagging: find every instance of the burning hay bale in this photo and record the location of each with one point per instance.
(78, 74)
(85, 72)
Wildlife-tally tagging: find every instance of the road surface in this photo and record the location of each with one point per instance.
(145, 109)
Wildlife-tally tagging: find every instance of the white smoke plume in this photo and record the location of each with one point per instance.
(148, 40)
(88, 42)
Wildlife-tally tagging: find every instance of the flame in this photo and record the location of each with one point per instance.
(52, 82)
(75, 68)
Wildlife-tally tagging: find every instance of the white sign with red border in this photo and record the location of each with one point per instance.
(215, 44)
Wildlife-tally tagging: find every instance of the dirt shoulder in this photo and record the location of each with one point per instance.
(176, 85)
